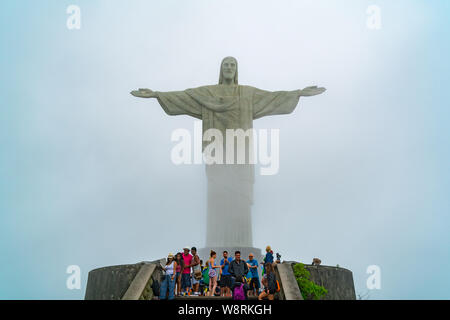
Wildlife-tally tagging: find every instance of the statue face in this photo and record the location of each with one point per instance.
(229, 68)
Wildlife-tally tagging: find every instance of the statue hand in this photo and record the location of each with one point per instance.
(143, 93)
(311, 91)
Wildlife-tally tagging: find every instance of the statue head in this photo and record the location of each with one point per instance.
(229, 70)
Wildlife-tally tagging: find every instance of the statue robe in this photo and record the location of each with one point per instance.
(230, 186)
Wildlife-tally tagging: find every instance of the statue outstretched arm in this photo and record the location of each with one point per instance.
(267, 103)
(173, 103)
(311, 91)
(144, 93)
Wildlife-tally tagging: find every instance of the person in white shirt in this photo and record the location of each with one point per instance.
(167, 289)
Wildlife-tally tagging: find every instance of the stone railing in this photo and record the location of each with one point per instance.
(134, 281)
(288, 284)
(123, 282)
(141, 286)
(338, 281)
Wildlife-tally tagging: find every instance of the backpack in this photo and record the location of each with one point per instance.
(273, 284)
(205, 276)
(238, 293)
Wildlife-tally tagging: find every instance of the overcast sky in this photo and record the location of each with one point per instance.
(85, 171)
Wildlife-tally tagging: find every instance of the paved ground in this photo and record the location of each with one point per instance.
(208, 298)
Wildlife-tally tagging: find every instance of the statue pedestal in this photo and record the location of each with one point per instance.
(204, 253)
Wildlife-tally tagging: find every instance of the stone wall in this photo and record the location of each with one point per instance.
(110, 283)
(338, 281)
(289, 287)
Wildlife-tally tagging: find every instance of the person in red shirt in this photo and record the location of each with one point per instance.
(186, 273)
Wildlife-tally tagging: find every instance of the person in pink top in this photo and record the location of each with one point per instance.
(186, 273)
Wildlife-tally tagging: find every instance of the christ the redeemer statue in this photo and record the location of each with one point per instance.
(228, 105)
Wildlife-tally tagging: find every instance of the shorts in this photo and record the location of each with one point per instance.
(194, 281)
(254, 283)
(212, 273)
(271, 291)
(225, 281)
(185, 280)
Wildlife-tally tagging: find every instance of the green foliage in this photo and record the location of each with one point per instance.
(309, 290)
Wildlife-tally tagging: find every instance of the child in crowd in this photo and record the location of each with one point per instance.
(202, 282)
(205, 274)
(269, 255)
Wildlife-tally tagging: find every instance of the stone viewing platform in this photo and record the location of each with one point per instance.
(134, 282)
(338, 281)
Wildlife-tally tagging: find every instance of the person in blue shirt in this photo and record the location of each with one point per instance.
(268, 258)
(253, 270)
(269, 255)
(225, 279)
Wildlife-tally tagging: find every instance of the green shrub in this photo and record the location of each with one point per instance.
(309, 290)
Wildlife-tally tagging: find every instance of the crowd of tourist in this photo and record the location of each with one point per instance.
(184, 274)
